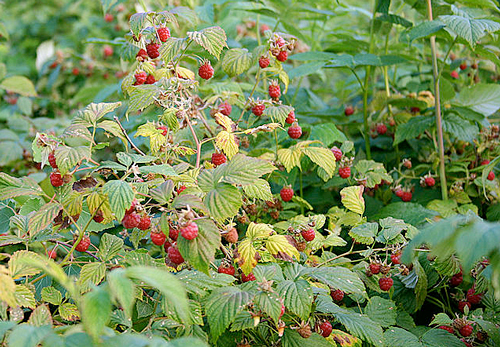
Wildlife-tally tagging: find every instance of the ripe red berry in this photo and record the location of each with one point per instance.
(399, 193)
(344, 171)
(415, 110)
(274, 90)
(218, 158)
(295, 131)
(52, 254)
(463, 66)
(286, 193)
(153, 50)
(84, 244)
(166, 245)
(158, 238)
(163, 33)
(144, 223)
(142, 55)
(282, 56)
(337, 152)
(374, 268)
(467, 344)
(173, 233)
(226, 269)
(381, 128)
(75, 71)
(98, 217)
(131, 220)
(491, 176)
(258, 109)
(349, 110)
(454, 74)
(150, 79)
(175, 256)
(396, 258)
(264, 28)
(466, 330)
(206, 71)
(56, 179)
(446, 328)
(108, 17)
(52, 160)
(164, 130)
(385, 283)
(430, 181)
(472, 297)
(337, 295)
(325, 328)
(107, 51)
(308, 234)
(225, 109)
(456, 279)
(190, 231)
(181, 189)
(462, 304)
(264, 62)
(247, 278)
(406, 196)
(407, 163)
(290, 118)
(140, 78)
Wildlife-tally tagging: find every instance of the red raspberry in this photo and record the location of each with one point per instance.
(133, 206)
(286, 193)
(218, 158)
(446, 328)
(108, 17)
(226, 269)
(231, 236)
(166, 245)
(415, 110)
(163, 33)
(462, 304)
(456, 280)
(280, 42)
(107, 51)
(385, 283)
(75, 71)
(430, 181)
(381, 128)
(337, 295)
(344, 171)
(84, 244)
(258, 109)
(466, 330)
(274, 90)
(225, 109)
(474, 66)
(264, 62)
(491, 176)
(282, 56)
(463, 66)
(399, 193)
(349, 110)
(140, 78)
(153, 50)
(485, 162)
(466, 343)
(406, 196)
(52, 254)
(181, 189)
(264, 28)
(396, 258)
(295, 131)
(337, 152)
(206, 71)
(173, 233)
(164, 130)
(247, 278)
(131, 220)
(158, 238)
(407, 163)
(472, 297)
(56, 179)
(175, 256)
(454, 74)
(290, 118)
(98, 217)
(144, 223)
(325, 328)
(52, 160)
(142, 55)
(150, 79)
(375, 268)
(190, 231)
(308, 234)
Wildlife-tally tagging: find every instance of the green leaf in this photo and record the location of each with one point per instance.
(270, 303)
(109, 246)
(278, 113)
(163, 169)
(397, 337)
(413, 128)
(327, 133)
(364, 233)
(338, 278)
(460, 128)
(298, 296)
(11, 187)
(25, 297)
(470, 29)
(51, 295)
(200, 284)
(259, 189)
(19, 84)
(96, 311)
(382, 311)
(411, 213)
(292, 338)
(323, 157)
(352, 199)
(290, 157)
(422, 30)
(40, 316)
(91, 274)
(213, 39)
(244, 170)
(143, 96)
(223, 202)
(439, 338)
(120, 196)
(246, 256)
(441, 319)
(481, 98)
(222, 307)
(42, 218)
(200, 251)
(137, 22)
(173, 47)
(25, 335)
(394, 19)
(236, 61)
(68, 157)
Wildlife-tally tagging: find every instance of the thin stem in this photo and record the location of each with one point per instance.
(127, 137)
(257, 80)
(442, 169)
(180, 57)
(197, 142)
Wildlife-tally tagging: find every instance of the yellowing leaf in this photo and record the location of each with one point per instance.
(246, 256)
(69, 312)
(258, 231)
(279, 246)
(182, 72)
(352, 199)
(224, 121)
(156, 138)
(290, 157)
(344, 339)
(323, 157)
(8, 287)
(25, 297)
(225, 141)
(18, 268)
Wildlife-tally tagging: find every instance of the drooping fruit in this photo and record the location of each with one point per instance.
(107, 51)
(466, 330)
(190, 231)
(52, 160)
(231, 236)
(274, 90)
(456, 279)
(98, 217)
(406, 196)
(56, 179)
(144, 223)
(396, 258)
(454, 74)
(374, 268)
(150, 79)
(153, 50)
(158, 238)
(344, 172)
(337, 295)
(430, 181)
(264, 62)
(248, 278)
(295, 131)
(282, 56)
(381, 128)
(206, 71)
(308, 234)
(446, 328)
(385, 283)
(290, 118)
(226, 269)
(286, 193)
(349, 110)
(140, 78)
(337, 152)
(225, 108)
(175, 256)
(473, 297)
(218, 158)
(325, 328)
(462, 304)
(258, 109)
(84, 244)
(163, 33)
(131, 220)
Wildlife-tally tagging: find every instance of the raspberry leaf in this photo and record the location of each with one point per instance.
(120, 195)
(352, 199)
(213, 39)
(42, 218)
(298, 296)
(236, 61)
